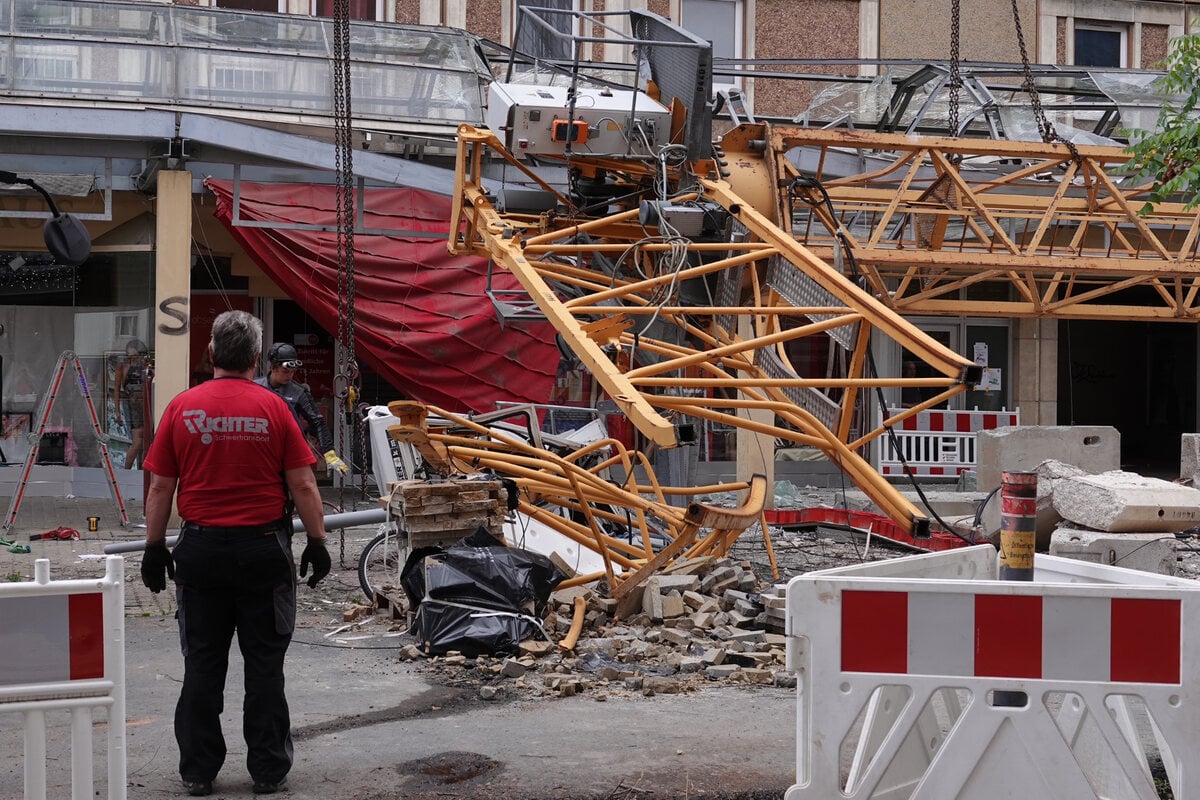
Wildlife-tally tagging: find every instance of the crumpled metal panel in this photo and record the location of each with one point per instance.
(807, 398)
(801, 291)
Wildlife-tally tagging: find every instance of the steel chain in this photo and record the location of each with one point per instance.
(955, 65)
(1045, 127)
(344, 168)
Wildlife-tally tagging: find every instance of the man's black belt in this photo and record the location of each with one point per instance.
(234, 530)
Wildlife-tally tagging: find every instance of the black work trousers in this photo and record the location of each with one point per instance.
(228, 581)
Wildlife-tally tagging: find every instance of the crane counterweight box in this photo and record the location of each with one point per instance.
(538, 120)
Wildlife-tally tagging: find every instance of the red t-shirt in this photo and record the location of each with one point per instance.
(228, 441)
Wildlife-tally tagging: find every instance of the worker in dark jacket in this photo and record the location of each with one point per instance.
(284, 361)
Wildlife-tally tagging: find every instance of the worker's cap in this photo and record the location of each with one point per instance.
(283, 354)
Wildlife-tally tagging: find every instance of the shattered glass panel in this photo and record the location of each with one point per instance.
(1021, 125)
(393, 45)
(1136, 95)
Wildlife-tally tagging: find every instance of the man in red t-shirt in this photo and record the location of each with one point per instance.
(230, 453)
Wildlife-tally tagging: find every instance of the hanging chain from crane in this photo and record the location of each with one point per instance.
(955, 84)
(346, 369)
(1045, 128)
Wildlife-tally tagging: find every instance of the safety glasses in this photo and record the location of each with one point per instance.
(293, 364)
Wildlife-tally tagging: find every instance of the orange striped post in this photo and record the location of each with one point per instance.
(1018, 522)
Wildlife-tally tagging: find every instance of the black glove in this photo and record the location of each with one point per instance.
(157, 566)
(315, 554)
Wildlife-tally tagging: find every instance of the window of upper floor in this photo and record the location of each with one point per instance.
(362, 10)
(1101, 44)
(718, 21)
(535, 40)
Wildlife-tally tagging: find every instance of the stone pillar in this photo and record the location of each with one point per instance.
(755, 451)
(1035, 368)
(172, 286)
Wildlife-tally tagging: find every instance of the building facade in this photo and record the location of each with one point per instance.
(125, 124)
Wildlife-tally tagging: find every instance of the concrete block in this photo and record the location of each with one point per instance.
(1050, 474)
(1125, 501)
(1189, 457)
(1149, 552)
(672, 605)
(1093, 448)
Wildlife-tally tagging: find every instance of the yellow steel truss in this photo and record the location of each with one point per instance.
(930, 220)
(615, 290)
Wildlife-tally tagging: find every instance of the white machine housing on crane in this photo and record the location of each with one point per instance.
(540, 120)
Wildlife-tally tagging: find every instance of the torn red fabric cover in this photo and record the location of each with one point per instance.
(423, 319)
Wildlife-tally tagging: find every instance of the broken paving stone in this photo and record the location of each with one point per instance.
(356, 612)
(661, 685)
(756, 675)
(511, 668)
(488, 692)
(721, 671)
(785, 680)
(606, 604)
(672, 605)
(535, 647)
(676, 637)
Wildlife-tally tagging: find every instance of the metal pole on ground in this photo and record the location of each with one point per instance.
(1018, 539)
(346, 519)
(1018, 522)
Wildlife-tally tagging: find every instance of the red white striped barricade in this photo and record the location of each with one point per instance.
(926, 678)
(939, 443)
(63, 649)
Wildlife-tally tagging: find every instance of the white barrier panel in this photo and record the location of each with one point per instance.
(937, 442)
(62, 648)
(927, 678)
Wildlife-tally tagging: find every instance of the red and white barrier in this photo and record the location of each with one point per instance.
(62, 649)
(939, 443)
(926, 678)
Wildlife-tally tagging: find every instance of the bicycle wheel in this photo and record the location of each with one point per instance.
(381, 560)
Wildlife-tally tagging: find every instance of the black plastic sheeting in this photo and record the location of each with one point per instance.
(478, 597)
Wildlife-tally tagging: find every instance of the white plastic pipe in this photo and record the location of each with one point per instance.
(346, 519)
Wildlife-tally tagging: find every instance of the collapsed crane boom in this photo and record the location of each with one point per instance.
(700, 326)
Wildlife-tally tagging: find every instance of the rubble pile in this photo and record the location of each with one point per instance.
(700, 620)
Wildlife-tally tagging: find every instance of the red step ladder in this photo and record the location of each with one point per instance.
(68, 358)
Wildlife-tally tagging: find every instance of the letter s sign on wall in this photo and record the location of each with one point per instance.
(171, 307)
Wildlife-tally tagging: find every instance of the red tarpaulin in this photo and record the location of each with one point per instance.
(423, 320)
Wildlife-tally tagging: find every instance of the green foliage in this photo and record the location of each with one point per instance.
(1170, 156)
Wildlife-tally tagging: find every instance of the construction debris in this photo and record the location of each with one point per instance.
(711, 620)
(1119, 501)
(438, 513)
(1149, 552)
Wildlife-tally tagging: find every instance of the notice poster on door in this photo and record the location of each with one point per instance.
(980, 354)
(990, 382)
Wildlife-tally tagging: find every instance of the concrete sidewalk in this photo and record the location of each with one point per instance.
(369, 726)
